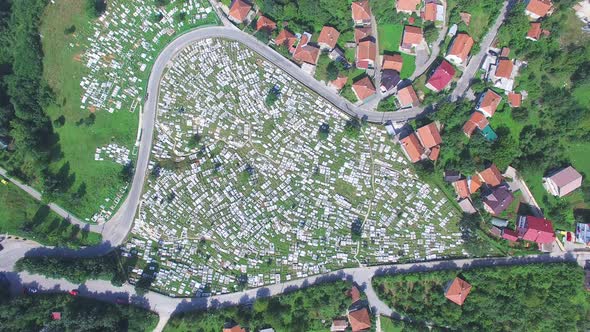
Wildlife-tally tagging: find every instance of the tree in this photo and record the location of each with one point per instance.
(324, 131)
(128, 171)
(353, 127)
(332, 71)
(271, 97)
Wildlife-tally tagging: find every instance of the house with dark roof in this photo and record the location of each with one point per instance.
(389, 79)
(239, 11)
(497, 200)
(563, 182)
(441, 77)
(457, 291)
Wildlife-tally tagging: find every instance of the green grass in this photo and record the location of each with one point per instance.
(409, 65)
(390, 325)
(21, 215)
(483, 15)
(582, 95)
(390, 36)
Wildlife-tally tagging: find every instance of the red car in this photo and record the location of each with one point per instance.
(74, 292)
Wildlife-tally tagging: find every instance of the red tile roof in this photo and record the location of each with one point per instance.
(306, 53)
(235, 328)
(366, 52)
(430, 11)
(361, 11)
(406, 5)
(56, 315)
(364, 88)
(412, 146)
(458, 291)
(474, 184)
(504, 68)
(491, 176)
(355, 294)
(538, 230)
(339, 82)
(514, 99)
(359, 320)
(264, 22)
(461, 188)
(412, 35)
(407, 96)
(434, 153)
(285, 38)
(239, 10)
(429, 135)
(328, 36)
(535, 31)
(540, 7)
(361, 33)
(476, 120)
(489, 102)
(394, 62)
(510, 235)
(461, 46)
(442, 76)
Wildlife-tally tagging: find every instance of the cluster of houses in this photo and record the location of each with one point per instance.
(485, 108)
(423, 144)
(358, 316)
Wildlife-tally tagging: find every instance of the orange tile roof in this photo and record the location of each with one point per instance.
(535, 31)
(363, 88)
(430, 11)
(239, 10)
(491, 176)
(514, 99)
(412, 35)
(505, 52)
(359, 319)
(474, 184)
(476, 120)
(305, 52)
(412, 146)
(355, 294)
(235, 328)
(394, 62)
(328, 36)
(361, 11)
(406, 5)
(264, 22)
(285, 38)
(458, 291)
(407, 96)
(504, 68)
(540, 7)
(461, 188)
(461, 46)
(366, 50)
(489, 102)
(429, 135)
(361, 33)
(339, 82)
(434, 153)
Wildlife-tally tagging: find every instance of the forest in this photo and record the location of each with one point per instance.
(536, 297)
(309, 309)
(33, 313)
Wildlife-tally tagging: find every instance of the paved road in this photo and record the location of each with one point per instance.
(423, 66)
(476, 60)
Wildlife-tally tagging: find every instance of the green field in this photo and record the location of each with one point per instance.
(483, 14)
(390, 36)
(21, 215)
(390, 325)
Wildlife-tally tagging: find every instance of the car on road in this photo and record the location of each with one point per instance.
(74, 292)
(30, 290)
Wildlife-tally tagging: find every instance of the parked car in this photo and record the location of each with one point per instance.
(74, 292)
(30, 290)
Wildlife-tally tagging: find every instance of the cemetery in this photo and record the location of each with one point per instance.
(244, 193)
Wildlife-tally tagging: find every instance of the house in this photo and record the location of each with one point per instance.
(467, 206)
(488, 103)
(491, 176)
(504, 68)
(514, 99)
(328, 38)
(563, 182)
(363, 88)
(337, 54)
(429, 135)
(534, 32)
(457, 291)
(306, 53)
(535, 229)
(339, 82)
(406, 97)
(359, 319)
(474, 183)
(476, 121)
(451, 176)
(56, 316)
(441, 77)
(412, 147)
(460, 48)
(433, 11)
(287, 39)
(583, 233)
(502, 223)
(461, 188)
(265, 23)
(362, 33)
(393, 62)
(361, 13)
(366, 52)
(536, 9)
(232, 327)
(389, 79)
(509, 235)
(239, 11)
(354, 293)
(411, 38)
(407, 6)
(497, 200)
(339, 325)
(501, 71)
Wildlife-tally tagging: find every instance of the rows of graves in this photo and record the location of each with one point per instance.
(244, 192)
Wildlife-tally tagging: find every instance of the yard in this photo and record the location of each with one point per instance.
(390, 36)
(483, 14)
(21, 215)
